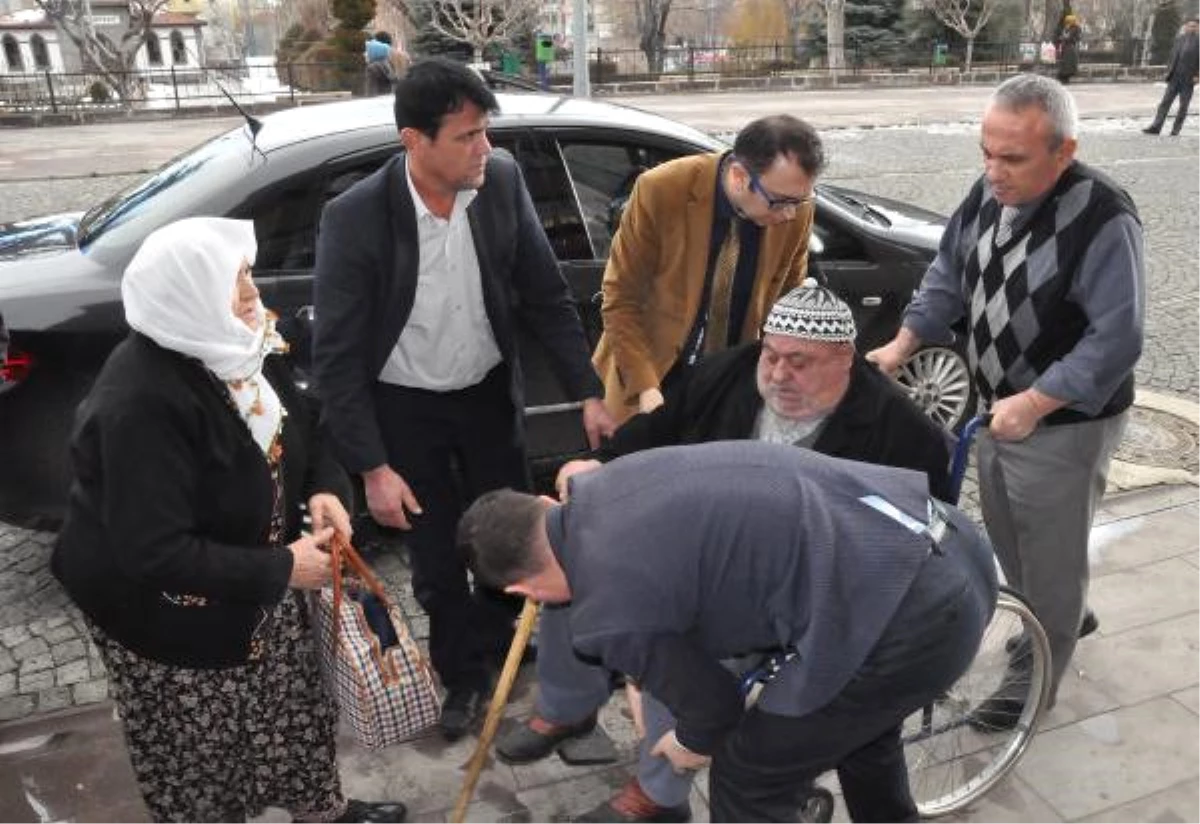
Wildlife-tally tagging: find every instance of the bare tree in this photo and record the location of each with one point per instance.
(1140, 14)
(113, 60)
(480, 23)
(835, 33)
(651, 18)
(967, 17)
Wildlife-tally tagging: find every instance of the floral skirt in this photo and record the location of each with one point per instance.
(224, 744)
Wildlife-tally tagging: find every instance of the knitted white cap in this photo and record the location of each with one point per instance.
(811, 312)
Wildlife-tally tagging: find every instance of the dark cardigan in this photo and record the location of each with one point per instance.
(719, 400)
(171, 496)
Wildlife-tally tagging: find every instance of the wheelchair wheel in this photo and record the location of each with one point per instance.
(955, 752)
(817, 806)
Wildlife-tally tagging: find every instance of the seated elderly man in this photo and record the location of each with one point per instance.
(802, 384)
(677, 559)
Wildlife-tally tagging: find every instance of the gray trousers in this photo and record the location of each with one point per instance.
(570, 689)
(1038, 498)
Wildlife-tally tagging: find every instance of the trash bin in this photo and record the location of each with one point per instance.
(939, 54)
(510, 63)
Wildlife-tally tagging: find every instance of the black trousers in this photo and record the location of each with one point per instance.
(451, 447)
(1182, 88)
(764, 768)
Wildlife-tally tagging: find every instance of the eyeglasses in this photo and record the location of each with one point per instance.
(774, 203)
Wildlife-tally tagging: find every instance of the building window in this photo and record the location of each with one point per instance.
(178, 49)
(12, 54)
(41, 55)
(153, 49)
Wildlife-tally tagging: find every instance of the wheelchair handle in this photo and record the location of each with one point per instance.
(962, 453)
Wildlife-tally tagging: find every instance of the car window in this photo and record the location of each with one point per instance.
(835, 243)
(286, 215)
(603, 173)
(551, 190)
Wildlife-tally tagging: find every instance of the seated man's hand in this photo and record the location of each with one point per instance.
(572, 468)
(650, 400)
(682, 759)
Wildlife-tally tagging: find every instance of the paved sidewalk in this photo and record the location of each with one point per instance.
(1120, 746)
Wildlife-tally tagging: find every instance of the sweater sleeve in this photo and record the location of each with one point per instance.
(149, 453)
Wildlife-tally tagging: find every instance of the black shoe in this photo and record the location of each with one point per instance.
(1151, 130)
(461, 709)
(536, 738)
(1089, 624)
(373, 811)
(996, 714)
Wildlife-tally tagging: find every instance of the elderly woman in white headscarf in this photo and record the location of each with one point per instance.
(192, 456)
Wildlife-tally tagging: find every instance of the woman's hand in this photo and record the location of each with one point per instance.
(312, 567)
(326, 510)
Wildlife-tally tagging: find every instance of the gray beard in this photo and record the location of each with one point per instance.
(774, 428)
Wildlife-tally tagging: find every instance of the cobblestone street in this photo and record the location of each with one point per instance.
(46, 659)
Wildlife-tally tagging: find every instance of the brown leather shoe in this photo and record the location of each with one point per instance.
(537, 738)
(632, 804)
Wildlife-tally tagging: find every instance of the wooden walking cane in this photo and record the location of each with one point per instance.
(499, 699)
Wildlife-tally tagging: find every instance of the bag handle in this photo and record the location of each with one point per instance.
(347, 560)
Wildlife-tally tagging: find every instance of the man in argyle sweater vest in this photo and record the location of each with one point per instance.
(1043, 261)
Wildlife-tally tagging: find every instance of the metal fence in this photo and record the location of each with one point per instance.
(812, 57)
(181, 87)
(175, 88)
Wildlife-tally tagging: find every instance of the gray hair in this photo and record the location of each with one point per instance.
(1045, 93)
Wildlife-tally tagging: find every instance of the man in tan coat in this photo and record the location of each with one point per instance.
(706, 246)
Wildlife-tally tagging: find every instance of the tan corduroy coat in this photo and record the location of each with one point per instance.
(654, 280)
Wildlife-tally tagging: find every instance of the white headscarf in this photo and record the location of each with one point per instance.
(179, 290)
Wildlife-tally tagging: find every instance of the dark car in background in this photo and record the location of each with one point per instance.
(60, 275)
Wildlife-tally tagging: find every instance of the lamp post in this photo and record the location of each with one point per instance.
(582, 85)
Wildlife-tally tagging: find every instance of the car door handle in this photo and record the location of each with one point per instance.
(872, 300)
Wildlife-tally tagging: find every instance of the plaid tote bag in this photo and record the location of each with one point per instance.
(375, 670)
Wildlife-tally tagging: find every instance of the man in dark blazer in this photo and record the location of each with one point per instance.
(424, 269)
(1183, 70)
(803, 384)
(677, 559)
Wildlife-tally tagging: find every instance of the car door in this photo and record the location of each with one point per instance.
(579, 179)
(287, 217)
(850, 263)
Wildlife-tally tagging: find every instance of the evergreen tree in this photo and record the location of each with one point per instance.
(349, 39)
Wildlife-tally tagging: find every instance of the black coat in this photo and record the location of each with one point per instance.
(172, 495)
(719, 400)
(366, 282)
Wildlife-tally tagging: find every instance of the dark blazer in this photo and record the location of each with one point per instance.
(682, 556)
(366, 281)
(172, 495)
(719, 400)
(1184, 63)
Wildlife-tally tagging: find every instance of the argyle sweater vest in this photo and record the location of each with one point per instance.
(1021, 319)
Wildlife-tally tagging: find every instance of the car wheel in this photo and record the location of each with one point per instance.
(939, 381)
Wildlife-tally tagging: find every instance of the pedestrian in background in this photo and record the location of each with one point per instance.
(1043, 261)
(379, 74)
(706, 245)
(1183, 70)
(424, 270)
(192, 456)
(1068, 49)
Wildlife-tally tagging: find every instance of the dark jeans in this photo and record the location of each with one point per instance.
(451, 447)
(1182, 88)
(764, 768)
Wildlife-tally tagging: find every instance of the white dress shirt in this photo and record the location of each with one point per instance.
(447, 343)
